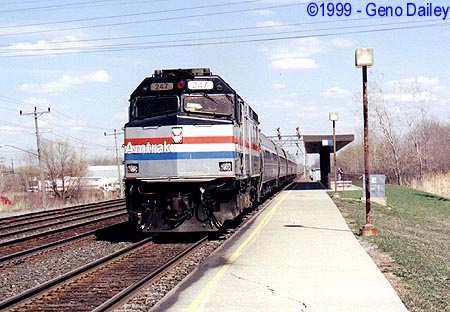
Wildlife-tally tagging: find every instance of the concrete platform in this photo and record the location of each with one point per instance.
(298, 255)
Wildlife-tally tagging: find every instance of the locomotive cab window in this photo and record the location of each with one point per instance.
(149, 106)
(214, 104)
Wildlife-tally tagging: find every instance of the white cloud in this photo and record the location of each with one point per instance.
(294, 63)
(279, 86)
(283, 103)
(340, 43)
(288, 100)
(60, 45)
(336, 92)
(37, 101)
(66, 82)
(31, 102)
(98, 76)
(270, 24)
(300, 54)
(265, 12)
(297, 48)
(310, 108)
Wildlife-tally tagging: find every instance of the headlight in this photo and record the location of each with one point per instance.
(177, 135)
(225, 166)
(133, 168)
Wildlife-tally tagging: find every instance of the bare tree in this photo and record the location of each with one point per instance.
(64, 167)
(389, 125)
(103, 161)
(403, 138)
(416, 119)
(26, 178)
(351, 158)
(437, 147)
(20, 179)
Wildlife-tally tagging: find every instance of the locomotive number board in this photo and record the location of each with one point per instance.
(200, 85)
(161, 86)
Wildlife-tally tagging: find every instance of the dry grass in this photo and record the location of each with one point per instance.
(32, 201)
(436, 183)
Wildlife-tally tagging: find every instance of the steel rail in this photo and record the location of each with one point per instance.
(69, 227)
(35, 291)
(63, 214)
(23, 219)
(131, 290)
(27, 295)
(72, 218)
(53, 244)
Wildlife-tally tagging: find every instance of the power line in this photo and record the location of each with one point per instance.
(151, 20)
(66, 136)
(150, 45)
(51, 6)
(235, 29)
(129, 15)
(76, 5)
(130, 45)
(79, 122)
(20, 127)
(55, 112)
(10, 100)
(213, 40)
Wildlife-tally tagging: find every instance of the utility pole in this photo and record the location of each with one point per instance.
(36, 115)
(115, 134)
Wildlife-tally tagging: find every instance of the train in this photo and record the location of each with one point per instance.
(194, 155)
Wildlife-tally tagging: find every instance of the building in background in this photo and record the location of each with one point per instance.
(102, 177)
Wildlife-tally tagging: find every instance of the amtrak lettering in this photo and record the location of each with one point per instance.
(147, 148)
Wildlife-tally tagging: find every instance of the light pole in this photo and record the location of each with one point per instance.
(364, 58)
(333, 116)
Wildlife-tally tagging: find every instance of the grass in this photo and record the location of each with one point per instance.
(414, 229)
(25, 201)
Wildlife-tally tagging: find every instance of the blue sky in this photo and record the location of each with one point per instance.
(83, 58)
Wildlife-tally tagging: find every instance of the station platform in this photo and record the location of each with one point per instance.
(297, 255)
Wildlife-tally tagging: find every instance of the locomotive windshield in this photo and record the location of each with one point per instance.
(149, 106)
(214, 104)
(220, 105)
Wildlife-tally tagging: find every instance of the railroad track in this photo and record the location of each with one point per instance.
(14, 226)
(113, 212)
(36, 216)
(14, 249)
(155, 290)
(105, 283)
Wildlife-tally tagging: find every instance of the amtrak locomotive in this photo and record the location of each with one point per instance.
(194, 155)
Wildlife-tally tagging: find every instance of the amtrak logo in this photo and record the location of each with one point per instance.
(147, 148)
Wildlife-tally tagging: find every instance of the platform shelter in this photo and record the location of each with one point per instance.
(323, 145)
